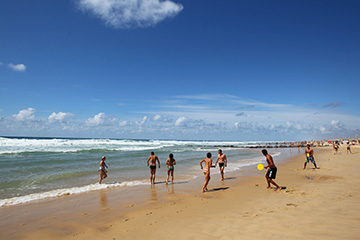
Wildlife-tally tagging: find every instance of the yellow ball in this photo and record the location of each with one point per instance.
(260, 166)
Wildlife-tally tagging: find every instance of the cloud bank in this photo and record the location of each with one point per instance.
(131, 13)
(202, 118)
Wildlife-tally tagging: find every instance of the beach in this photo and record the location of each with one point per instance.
(314, 204)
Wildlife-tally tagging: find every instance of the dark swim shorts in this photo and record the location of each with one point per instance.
(308, 159)
(271, 173)
(153, 167)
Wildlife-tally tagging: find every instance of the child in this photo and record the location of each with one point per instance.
(102, 169)
(170, 162)
(206, 170)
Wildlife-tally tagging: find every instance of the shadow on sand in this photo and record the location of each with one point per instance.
(218, 189)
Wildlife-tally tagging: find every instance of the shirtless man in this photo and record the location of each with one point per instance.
(222, 163)
(309, 154)
(102, 169)
(271, 172)
(206, 170)
(152, 159)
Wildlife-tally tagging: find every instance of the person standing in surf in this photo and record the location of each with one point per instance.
(170, 162)
(222, 163)
(102, 170)
(271, 172)
(152, 159)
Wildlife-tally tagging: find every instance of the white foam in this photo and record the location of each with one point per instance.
(66, 191)
(23, 145)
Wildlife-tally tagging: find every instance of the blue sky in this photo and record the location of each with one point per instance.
(220, 70)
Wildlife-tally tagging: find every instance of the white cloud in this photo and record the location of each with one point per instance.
(97, 120)
(144, 120)
(123, 123)
(17, 67)
(25, 114)
(59, 116)
(157, 117)
(131, 13)
(181, 121)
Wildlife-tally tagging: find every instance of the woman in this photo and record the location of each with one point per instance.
(170, 162)
(206, 170)
(102, 169)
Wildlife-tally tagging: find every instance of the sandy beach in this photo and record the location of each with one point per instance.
(314, 204)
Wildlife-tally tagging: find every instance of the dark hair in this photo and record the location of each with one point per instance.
(208, 155)
(220, 150)
(264, 151)
(171, 156)
(152, 153)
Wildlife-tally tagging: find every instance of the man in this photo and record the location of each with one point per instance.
(222, 163)
(309, 154)
(271, 172)
(152, 159)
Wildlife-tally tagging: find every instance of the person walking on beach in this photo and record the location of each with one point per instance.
(152, 159)
(348, 148)
(222, 163)
(309, 154)
(336, 147)
(102, 170)
(170, 162)
(271, 172)
(206, 170)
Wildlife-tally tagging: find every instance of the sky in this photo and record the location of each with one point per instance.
(282, 70)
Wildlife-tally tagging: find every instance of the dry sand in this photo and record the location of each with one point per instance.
(316, 204)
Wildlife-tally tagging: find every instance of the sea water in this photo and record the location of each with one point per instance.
(39, 168)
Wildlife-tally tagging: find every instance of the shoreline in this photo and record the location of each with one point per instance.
(239, 199)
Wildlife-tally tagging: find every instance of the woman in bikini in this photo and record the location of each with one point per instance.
(206, 170)
(102, 169)
(170, 162)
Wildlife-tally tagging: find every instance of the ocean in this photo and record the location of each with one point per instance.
(39, 168)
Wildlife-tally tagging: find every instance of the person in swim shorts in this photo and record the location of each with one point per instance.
(170, 162)
(102, 170)
(152, 159)
(272, 170)
(222, 163)
(309, 154)
(206, 170)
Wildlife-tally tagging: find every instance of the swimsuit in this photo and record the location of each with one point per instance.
(101, 169)
(171, 168)
(271, 173)
(308, 159)
(153, 167)
(205, 170)
(221, 165)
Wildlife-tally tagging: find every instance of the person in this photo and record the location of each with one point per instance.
(309, 154)
(271, 172)
(222, 163)
(152, 159)
(170, 162)
(102, 170)
(336, 147)
(206, 170)
(348, 148)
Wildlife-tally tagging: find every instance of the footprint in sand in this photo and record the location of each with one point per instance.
(291, 204)
(149, 213)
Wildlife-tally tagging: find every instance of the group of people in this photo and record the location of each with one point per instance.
(336, 147)
(153, 160)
